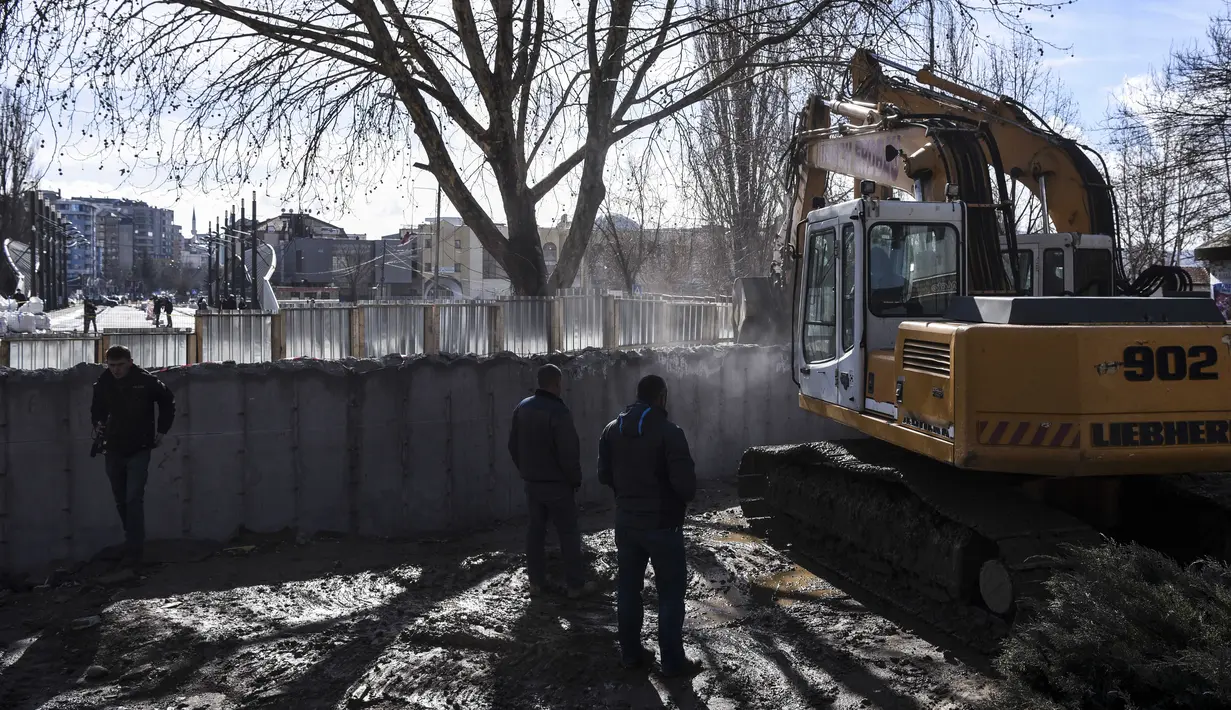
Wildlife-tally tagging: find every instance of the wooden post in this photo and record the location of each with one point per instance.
(101, 345)
(198, 335)
(358, 321)
(495, 329)
(611, 323)
(431, 329)
(555, 328)
(277, 336)
(4, 353)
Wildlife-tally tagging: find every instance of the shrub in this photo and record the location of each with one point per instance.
(1126, 627)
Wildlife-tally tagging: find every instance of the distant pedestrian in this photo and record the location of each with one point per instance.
(156, 303)
(544, 445)
(90, 313)
(644, 457)
(168, 306)
(122, 411)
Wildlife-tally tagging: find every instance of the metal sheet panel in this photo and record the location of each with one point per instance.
(464, 328)
(235, 337)
(392, 329)
(57, 352)
(152, 348)
(320, 331)
(582, 322)
(526, 323)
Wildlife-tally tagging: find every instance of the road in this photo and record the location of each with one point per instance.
(275, 621)
(70, 319)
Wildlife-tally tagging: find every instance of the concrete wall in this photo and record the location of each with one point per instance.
(398, 447)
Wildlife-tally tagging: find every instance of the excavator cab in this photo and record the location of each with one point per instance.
(868, 266)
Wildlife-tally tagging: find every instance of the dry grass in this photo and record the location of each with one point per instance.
(1126, 627)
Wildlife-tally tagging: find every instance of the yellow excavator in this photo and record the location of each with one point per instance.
(1014, 392)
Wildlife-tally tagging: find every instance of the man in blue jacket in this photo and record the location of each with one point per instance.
(644, 457)
(544, 446)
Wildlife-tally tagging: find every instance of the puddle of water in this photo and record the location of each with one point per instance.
(731, 536)
(791, 587)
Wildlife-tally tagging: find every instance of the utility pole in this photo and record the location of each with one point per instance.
(932, 35)
(209, 265)
(252, 227)
(436, 278)
(243, 219)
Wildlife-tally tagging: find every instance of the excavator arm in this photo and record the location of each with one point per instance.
(1055, 169)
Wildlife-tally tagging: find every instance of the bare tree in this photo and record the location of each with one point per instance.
(537, 91)
(354, 267)
(629, 225)
(1171, 197)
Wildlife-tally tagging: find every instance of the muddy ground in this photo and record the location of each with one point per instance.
(275, 622)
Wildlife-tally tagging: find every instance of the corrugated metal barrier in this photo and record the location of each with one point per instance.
(51, 350)
(392, 329)
(464, 328)
(237, 336)
(656, 321)
(526, 324)
(162, 347)
(319, 331)
(582, 322)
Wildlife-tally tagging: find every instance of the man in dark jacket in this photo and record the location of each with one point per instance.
(90, 312)
(544, 446)
(644, 457)
(167, 307)
(122, 411)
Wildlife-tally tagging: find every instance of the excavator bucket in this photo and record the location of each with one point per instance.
(762, 312)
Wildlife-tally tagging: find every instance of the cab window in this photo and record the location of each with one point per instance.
(821, 298)
(848, 287)
(1053, 272)
(1092, 272)
(912, 269)
(1025, 269)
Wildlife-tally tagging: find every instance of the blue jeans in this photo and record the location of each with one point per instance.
(663, 548)
(128, 475)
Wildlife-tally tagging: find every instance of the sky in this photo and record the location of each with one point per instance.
(1102, 46)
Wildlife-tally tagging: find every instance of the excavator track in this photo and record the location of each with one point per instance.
(966, 552)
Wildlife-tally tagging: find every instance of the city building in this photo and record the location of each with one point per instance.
(85, 252)
(135, 242)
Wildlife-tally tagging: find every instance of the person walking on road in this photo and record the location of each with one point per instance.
(122, 412)
(90, 312)
(645, 459)
(545, 448)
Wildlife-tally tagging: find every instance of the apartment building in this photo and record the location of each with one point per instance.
(85, 253)
(129, 236)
